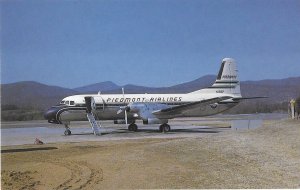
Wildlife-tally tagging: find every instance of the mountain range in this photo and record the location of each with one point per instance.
(40, 96)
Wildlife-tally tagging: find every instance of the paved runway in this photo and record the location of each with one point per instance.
(25, 132)
(27, 135)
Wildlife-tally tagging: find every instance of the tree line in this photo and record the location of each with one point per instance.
(15, 113)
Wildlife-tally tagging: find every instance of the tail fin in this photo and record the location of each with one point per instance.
(227, 80)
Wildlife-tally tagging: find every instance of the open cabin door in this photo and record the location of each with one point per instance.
(90, 109)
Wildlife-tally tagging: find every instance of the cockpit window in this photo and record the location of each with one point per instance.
(71, 103)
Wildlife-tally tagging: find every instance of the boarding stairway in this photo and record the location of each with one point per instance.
(94, 124)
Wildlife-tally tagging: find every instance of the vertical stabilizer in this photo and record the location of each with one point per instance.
(227, 81)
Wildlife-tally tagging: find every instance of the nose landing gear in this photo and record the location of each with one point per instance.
(67, 131)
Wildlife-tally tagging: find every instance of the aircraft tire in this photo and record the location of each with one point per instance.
(67, 132)
(135, 127)
(165, 128)
(132, 127)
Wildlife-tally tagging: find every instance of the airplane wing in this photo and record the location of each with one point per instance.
(182, 108)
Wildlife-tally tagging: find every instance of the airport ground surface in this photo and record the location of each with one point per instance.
(198, 153)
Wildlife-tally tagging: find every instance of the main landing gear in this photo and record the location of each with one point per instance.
(164, 128)
(132, 127)
(67, 131)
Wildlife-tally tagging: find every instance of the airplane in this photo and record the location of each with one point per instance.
(224, 94)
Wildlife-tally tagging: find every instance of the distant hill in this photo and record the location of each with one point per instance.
(194, 85)
(101, 86)
(291, 81)
(41, 96)
(32, 94)
(186, 87)
(278, 90)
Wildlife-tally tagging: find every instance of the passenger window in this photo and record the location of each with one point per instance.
(72, 103)
(67, 102)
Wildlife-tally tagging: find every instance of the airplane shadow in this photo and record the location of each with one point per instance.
(79, 134)
(194, 130)
(178, 131)
(155, 131)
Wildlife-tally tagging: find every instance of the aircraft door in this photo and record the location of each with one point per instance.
(90, 104)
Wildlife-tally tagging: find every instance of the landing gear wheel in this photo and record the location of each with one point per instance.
(67, 132)
(165, 128)
(132, 127)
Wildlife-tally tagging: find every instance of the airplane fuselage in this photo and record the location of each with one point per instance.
(73, 108)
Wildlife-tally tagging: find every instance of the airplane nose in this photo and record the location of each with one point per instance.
(50, 115)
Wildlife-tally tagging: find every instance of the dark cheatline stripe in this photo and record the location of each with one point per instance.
(122, 104)
(221, 87)
(226, 82)
(66, 109)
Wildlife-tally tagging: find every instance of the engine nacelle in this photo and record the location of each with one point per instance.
(154, 121)
(135, 107)
(122, 121)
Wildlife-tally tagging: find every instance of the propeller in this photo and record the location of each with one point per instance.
(126, 117)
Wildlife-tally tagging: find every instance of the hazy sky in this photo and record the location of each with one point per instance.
(146, 42)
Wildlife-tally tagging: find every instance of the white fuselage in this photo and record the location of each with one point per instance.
(109, 104)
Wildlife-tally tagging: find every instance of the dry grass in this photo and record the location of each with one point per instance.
(266, 157)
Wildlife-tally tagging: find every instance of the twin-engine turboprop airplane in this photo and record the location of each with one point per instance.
(150, 108)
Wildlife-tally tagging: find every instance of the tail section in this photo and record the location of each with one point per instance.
(227, 81)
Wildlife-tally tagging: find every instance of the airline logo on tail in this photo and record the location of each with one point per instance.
(229, 77)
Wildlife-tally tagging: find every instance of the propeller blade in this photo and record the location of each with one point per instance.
(125, 109)
(123, 92)
(119, 111)
(126, 117)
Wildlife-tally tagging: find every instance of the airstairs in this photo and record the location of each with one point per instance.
(94, 124)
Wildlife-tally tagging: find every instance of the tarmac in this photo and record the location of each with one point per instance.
(81, 131)
(25, 132)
